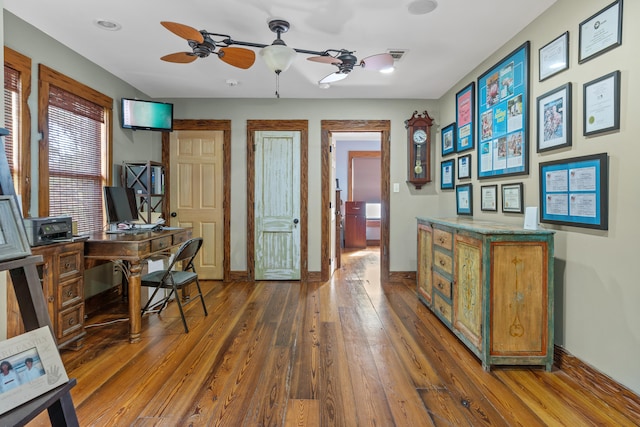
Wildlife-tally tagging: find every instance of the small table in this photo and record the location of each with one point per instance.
(134, 249)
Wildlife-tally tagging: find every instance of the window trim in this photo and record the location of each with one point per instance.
(22, 64)
(48, 77)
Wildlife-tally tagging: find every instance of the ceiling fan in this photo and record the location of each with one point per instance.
(277, 56)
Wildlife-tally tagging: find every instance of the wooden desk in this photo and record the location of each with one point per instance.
(133, 248)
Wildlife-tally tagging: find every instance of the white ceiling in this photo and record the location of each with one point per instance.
(442, 46)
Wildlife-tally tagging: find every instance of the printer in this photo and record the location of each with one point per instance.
(46, 230)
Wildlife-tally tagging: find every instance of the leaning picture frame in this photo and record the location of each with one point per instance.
(13, 237)
(553, 57)
(464, 199)
(33, 366)
(512, 198)
(447, 174)
(601, 104)
(448, 139)
(600, 32)
(465, 125)
(554, 119)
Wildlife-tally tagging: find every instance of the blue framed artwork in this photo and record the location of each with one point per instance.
(465, 109)
(464, 199)
(575, 191)
(503, 111)
(448, 138)
(447, 174)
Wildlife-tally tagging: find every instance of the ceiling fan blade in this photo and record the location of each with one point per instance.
(377, 62)
(325, 59)
(183, 31)
(333, 77)
(237, 56)
(180, 57)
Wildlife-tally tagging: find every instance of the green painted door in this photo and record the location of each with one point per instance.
(277, 205)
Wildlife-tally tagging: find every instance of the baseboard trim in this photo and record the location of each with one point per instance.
(604, 387)
(402, 277)
(314, 276)
(238, 276)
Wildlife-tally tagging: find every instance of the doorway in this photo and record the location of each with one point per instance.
(328, 127)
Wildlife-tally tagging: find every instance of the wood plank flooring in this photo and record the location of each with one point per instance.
(348, 352)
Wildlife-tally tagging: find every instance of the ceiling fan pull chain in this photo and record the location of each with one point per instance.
(277, 84)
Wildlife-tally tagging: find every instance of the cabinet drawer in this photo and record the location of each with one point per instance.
(70, 292)
(70, 322)
(442, 285)
(70, 264)
(442, 307)
(161, 243)
(442, 238)
(355, 208)
(443, 261)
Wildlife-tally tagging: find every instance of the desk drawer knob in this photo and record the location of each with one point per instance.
(71, 321)
(70, 293)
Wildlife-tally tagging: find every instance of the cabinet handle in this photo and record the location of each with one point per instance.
(67, 265)
(442, 262)
(440, 285)
(70, 293)
(71, 321)
(441, 309)
(50, 299)
(441, 240)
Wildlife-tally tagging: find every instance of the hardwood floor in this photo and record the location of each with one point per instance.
(348, 352)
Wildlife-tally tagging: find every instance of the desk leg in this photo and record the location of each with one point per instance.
(135, 318)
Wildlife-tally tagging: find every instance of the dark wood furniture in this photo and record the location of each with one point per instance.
(419, 149)
(33, 308)
(355, 227)
(133, 249)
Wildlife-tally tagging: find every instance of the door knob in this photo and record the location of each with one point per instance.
(173, 214)
(295, 220)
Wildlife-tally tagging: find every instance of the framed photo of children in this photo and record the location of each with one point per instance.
(575, 191)
(465, 106)
(448, 137)
(30, 366)
(503, 125)
(554, 119)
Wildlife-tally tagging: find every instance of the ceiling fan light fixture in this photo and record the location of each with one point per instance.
(278, 57)
(422, 7)
(388, 70)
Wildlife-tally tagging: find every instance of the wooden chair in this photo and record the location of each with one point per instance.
(176, 279)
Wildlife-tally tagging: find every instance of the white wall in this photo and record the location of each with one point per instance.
(597, 290)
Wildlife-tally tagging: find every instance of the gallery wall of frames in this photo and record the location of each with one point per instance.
(493, 121)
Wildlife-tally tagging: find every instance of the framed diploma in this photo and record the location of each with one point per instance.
(554, 57)
(464, 166)
(489, 198)
(554, 119)
(601, 32)
(601, 104)
(464, 199)
(512, 198)
(575, 191)
(447, 174)
(503, 117)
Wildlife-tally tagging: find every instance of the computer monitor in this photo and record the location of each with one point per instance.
(120, 203)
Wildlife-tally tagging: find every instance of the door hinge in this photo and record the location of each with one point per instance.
(330, 205)
(254, 148)
(331, 148)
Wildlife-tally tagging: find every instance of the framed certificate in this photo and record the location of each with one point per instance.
(489, 198)
(512, 198)
(601, 104)
(554, 57)
(447, 174)
(601, 32)
(464, 199)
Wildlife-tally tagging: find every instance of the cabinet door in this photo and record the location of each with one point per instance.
(519, 299)
(425, 262)
(468, 271)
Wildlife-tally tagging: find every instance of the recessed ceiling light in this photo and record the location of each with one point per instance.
(422, 7)
(107, 25)
(324, 85)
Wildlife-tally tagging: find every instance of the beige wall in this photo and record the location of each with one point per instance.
(596, 286)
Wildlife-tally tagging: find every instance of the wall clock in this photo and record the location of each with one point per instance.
(419, 149)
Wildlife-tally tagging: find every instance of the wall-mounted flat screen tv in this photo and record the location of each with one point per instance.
(147, 115)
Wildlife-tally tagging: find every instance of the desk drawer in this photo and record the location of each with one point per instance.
(442, 238)
(442, 307)
(70, 263)
(443, 262)
(442, 285)
(161, 243)
(70, 322)
(70, 293)
(181, 237)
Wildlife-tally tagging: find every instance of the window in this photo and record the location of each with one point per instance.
(76, 148)
(17, 88)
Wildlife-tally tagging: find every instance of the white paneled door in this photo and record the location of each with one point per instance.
(197, 194)
(277, 205)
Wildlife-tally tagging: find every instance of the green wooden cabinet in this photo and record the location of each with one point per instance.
(492, 285)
